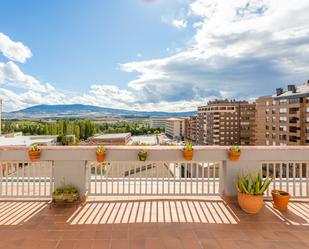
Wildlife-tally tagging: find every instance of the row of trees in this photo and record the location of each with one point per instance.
(81, 129)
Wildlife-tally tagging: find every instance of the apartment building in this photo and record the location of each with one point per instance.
(157, 122)
(283, 118)
(0, 115)
(191, 129)
(175, 128)
(226, 122)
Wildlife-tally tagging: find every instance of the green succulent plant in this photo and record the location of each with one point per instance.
(101, 149)
(234, 148)
(188, 147)
(252, 183)
(142, 155)
(65, 190)
(34, 147)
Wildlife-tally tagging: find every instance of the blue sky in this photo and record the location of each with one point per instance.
(149, 55)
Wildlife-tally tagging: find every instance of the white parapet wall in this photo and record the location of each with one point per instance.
(70, 161)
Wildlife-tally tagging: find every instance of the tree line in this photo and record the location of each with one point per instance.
(81, 129)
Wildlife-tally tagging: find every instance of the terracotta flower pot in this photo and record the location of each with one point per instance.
(100, 157)
(142, 158)
(187, 155)
(34, 155)
(281, 200)
(234, 156)
(251, 204)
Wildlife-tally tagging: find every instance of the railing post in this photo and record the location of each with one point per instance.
(231, 169)
(71, 173)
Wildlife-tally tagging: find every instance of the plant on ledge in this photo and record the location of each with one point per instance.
(281, 199)
(251, 189)
(100, 153)
(34, 152)
(234, 153)
(66, 194)
(142, 155)
(188, 151)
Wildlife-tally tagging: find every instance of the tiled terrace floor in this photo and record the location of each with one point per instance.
(152, 224)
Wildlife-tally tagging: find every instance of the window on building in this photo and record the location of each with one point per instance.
(282, 128)
(282, 101)
(267, 103)
(282, 119)
(283, 110)
(295, 100)
(273, 119)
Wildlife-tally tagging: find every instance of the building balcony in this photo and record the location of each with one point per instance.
(165, 202)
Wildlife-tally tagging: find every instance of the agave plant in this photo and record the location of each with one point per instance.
(34, 147)
(234, 149)
(101, 149)
(252, 184)
(188, 147)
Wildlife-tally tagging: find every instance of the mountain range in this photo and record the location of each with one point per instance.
(83, 111)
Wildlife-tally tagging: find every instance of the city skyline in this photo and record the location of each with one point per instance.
(149, 55)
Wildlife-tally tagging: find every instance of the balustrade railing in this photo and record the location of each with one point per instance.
(154, 178)
(26, 179)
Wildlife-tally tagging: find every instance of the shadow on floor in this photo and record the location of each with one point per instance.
(297, 213)
(154, 211)
(17, 212)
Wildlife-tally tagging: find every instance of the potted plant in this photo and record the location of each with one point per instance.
(234, 153)
(66, 194)
(142, 155)
(281, 199)
(187, 151)
(100, 153)
(251, 189)
(34, 152)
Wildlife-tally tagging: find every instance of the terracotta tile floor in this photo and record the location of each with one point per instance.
(151, 224)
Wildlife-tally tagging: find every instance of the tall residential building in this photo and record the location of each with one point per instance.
(157, 122)
(226, 122)
(283, 118)
(175, 128)
(191, 129)
(0, 115)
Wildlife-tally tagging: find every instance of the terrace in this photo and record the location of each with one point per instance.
(165, 202)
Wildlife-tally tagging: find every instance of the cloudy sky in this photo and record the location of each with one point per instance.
(149, 54)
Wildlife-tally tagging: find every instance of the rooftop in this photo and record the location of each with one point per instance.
(20, 140)
(111, 136)
(163, 203)
(152, 224)
(302, 90)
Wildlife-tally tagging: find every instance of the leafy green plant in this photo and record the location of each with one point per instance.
(252, 183)
(66, 190)
(34, 147)
(234, 149)
(101, 149)
(188, 147)
(142, 155)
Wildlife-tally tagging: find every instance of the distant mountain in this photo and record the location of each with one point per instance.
(82, 111)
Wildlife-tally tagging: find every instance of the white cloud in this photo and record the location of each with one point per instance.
(15, 51)
(11, 75)
(240, 49)
(179, 24)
